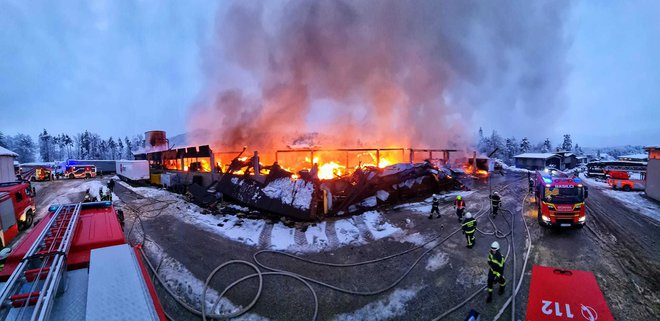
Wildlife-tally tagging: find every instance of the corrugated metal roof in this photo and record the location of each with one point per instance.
(535, 155)
(6, 152)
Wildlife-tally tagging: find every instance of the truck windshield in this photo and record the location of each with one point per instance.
(564, 195)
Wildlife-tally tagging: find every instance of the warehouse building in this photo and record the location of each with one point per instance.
(653, 172)
(535, 161)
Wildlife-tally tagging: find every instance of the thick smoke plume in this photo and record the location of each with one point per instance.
(378, 73)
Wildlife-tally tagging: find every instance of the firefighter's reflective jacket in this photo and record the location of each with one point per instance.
(496, 262)
(469, 225)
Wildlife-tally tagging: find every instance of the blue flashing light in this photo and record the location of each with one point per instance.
(577, 180)
(547, 180)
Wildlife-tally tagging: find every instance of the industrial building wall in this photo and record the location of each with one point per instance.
(653, 179)
(7, 169)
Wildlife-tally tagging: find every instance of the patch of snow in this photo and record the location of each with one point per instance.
(415, 238)
(297, 193)
(377, 226)
(238, 207)
(347, 232)
(369, 202)
(636, 202)
(386, 309)
(593, 181)
(282, 237)
(316, 236)
(382, 195)
(437, 261)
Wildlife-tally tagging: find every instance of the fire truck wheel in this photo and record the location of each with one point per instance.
(29, 218)
(626, 188)
(88, 176)
(71, 176)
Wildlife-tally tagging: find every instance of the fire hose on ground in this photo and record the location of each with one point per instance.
(306, 280)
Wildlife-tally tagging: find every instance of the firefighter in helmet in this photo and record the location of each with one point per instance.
(469, 226)
(495, 271)
(459, 205)
(495, 200)
(435, 207)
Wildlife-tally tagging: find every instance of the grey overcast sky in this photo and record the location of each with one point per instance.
(120, 68)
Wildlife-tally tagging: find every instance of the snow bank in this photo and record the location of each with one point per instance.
(386, 309)
(636, 202)
(377, 226)
(296, 193)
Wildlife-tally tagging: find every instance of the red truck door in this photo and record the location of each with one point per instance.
(8, 226)
(565, 295)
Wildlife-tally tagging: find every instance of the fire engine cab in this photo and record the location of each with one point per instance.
(17, 203)
(75, 265)
(560, 199)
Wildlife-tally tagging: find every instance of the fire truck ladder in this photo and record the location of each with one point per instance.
(41, 269)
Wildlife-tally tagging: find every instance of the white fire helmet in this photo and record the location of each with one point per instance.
(435, 196)
(497, 193)
(468, 215)
(495, 246)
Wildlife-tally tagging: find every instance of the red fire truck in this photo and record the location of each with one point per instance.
(623, 180)
(19, 202)
(560, 199)
(80, 171)
(75, 265)
(42, 174)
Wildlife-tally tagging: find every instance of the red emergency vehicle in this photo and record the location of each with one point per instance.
(19, 194)
(622, 180)
(80, 171)
(565, 295)
(41, 174)
(560, 199)
(75, 265)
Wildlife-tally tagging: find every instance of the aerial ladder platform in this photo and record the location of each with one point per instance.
(31, 289)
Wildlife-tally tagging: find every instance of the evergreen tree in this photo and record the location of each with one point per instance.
(45, 146)
(4, 141)
(510, 149)
(567, 145)
(129, 147)
(547, 146)
(524, 145)
(120, 149)
(24, 146)
(112, 147)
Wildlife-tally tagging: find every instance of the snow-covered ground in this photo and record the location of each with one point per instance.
(324, 236)
(633, 200)
(386, 309)
(637, 202)
(424, 207)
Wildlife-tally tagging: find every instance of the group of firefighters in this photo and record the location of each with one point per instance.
(469, 227)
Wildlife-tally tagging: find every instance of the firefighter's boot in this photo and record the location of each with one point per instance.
(489, 299)
(501, 290)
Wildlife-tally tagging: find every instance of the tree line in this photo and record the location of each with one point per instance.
(85, 145)
(507, 148)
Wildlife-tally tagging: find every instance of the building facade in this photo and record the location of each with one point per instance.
(653, 172)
